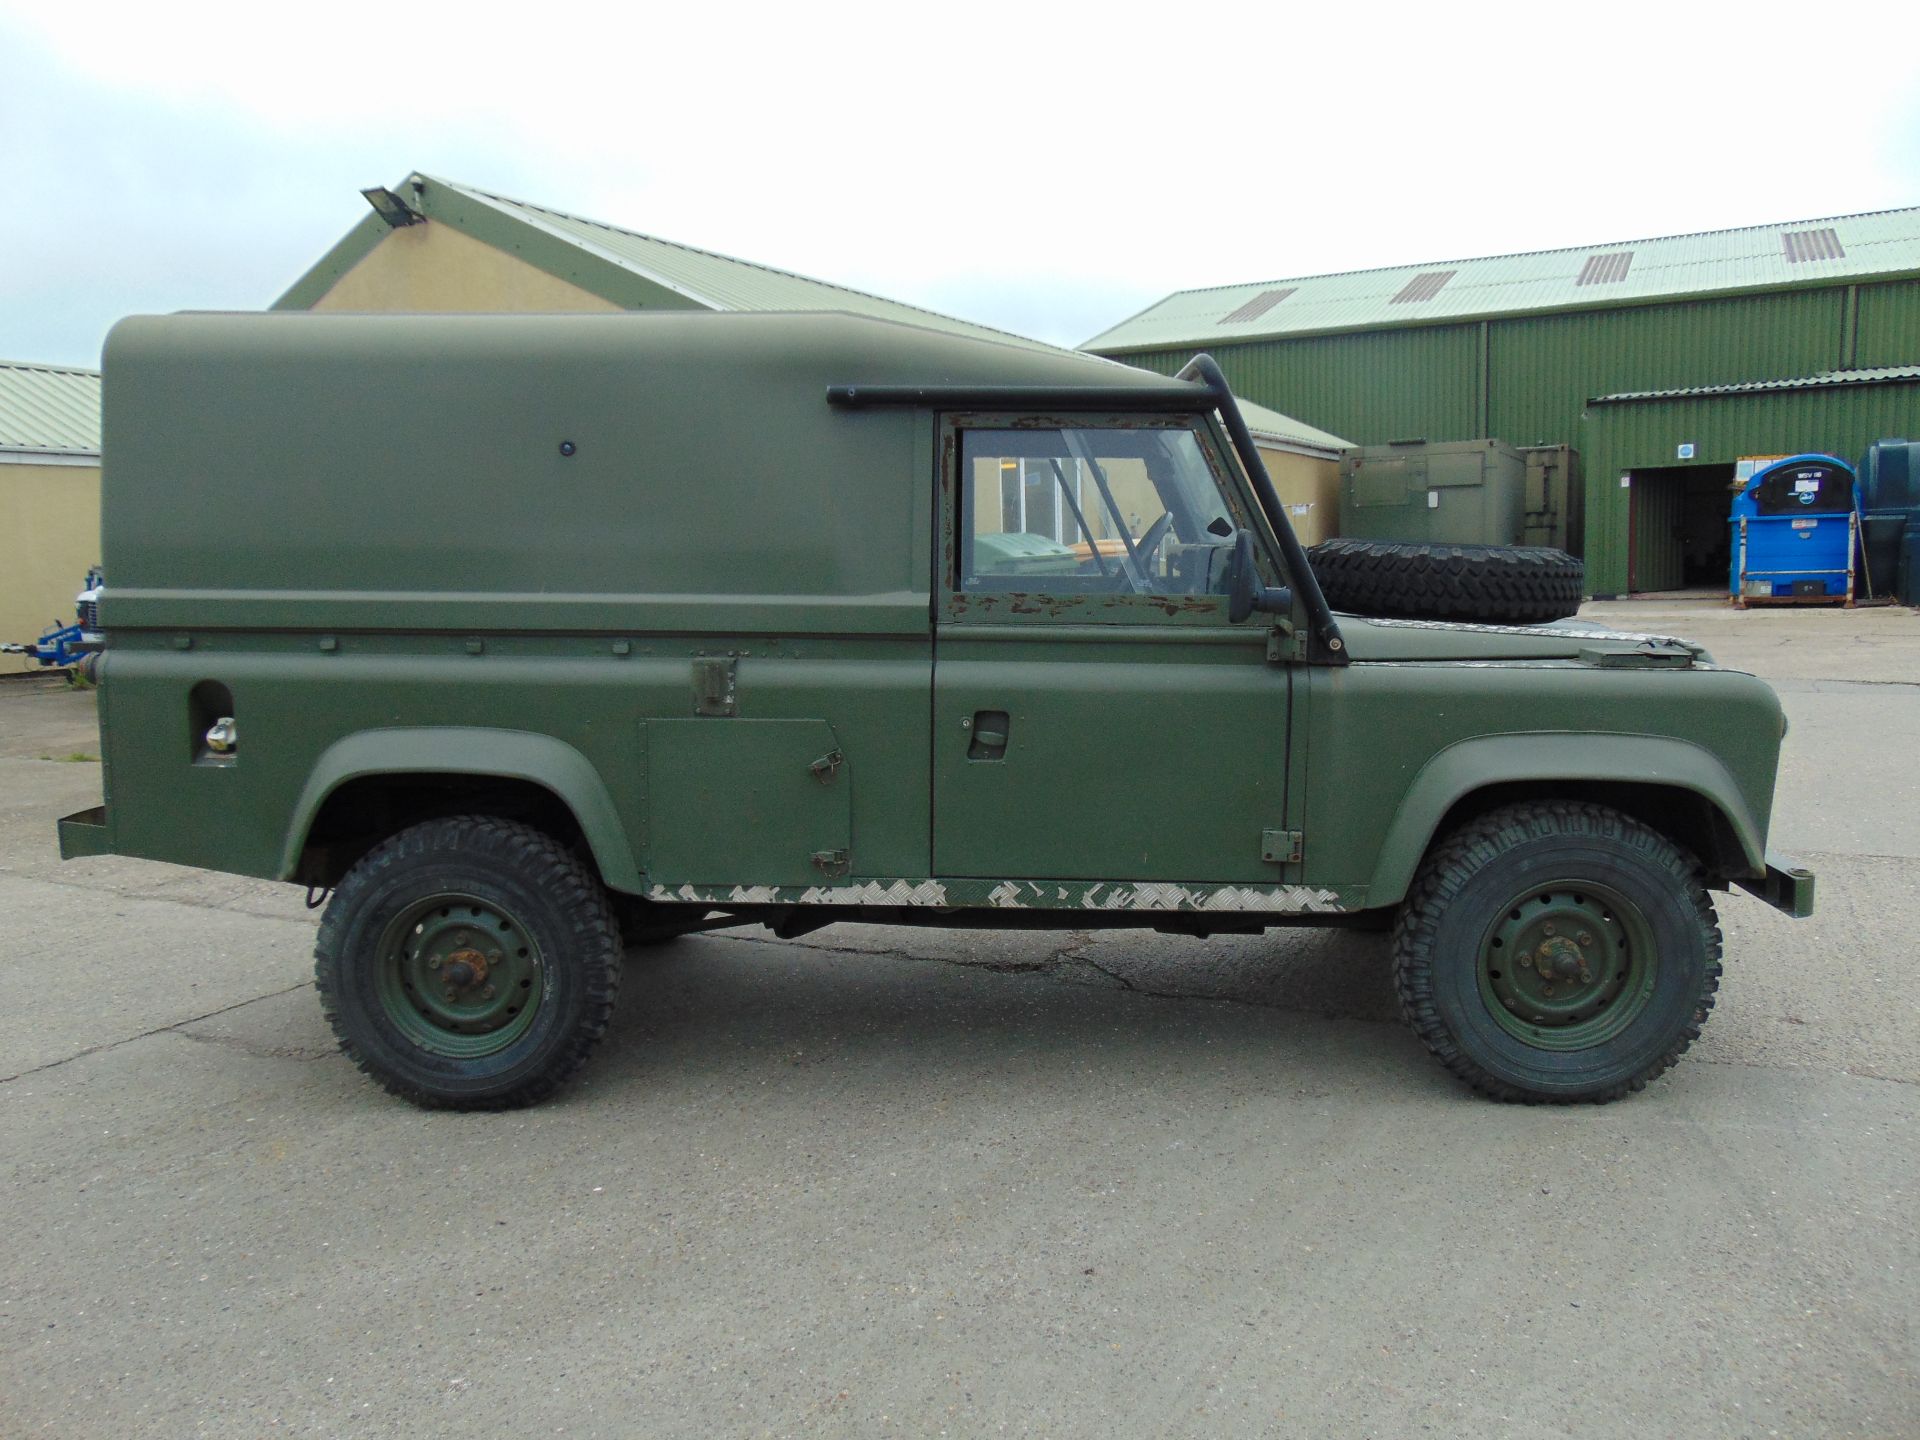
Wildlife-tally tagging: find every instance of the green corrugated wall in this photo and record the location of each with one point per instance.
(1540, 370)
(1545, 368)
(1889, 325)
(1391, 384)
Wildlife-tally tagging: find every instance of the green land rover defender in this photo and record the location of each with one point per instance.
(531, 638)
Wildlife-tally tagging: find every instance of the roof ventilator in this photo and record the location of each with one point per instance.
(1257, 306)
(1803, 245)
(1423, 286)
(1605, 269)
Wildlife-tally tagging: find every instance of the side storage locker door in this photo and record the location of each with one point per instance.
(762, 802)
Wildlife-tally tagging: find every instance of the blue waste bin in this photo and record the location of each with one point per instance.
(1796, 533)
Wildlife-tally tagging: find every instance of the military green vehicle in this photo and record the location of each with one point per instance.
(535, 638)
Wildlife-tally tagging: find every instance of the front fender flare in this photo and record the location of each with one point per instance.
(462, 750)
(1474, 764)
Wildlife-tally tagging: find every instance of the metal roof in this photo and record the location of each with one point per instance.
(51, 410)
(626, 267)
(722, 282)
(1265, 424)
(1883, 375)
(1801, 252)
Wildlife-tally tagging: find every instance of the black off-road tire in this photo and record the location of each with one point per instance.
(1523, 855)
(539, 900)
(1483, 584)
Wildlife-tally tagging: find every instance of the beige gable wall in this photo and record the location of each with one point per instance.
(433, 267)
(50, 517)
(1310, 489)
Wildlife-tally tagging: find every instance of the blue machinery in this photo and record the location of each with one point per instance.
(68, 644)
(1796, 534)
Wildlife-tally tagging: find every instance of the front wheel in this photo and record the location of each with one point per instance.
(468, 963)
(1557, 952)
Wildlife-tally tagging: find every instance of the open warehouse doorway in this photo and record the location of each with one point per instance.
(1677, 530)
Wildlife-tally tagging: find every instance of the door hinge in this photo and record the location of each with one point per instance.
(1285, 643)
(713, 685)
(1282, 847)
(830, 863)
(827, 767)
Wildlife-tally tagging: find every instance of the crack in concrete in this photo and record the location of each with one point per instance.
(1068, 950)
(1064, 954)
(1062, 957)
(997, 967)
(256, 1049)
(7, 872)
(1852, 1072)
(1134, 988)
(177, 1025)
(1068, 953)
(1806, 854)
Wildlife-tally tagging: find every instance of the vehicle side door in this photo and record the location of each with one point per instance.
(1096, 715)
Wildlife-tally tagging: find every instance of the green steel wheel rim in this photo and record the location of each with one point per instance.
(1567, 965)
(459, 976)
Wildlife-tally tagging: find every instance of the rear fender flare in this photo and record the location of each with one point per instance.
(1470, 765)
(507, 754)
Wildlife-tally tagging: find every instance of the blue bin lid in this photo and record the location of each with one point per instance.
(1822, 484)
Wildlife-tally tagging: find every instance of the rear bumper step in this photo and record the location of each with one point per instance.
(85, 833)
(1786, 886)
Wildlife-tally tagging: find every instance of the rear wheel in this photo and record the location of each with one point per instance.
(1557, 952)
(468, 963)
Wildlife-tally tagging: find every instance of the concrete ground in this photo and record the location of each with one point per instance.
(894, 1182)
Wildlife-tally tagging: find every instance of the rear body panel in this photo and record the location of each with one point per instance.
(296, 706)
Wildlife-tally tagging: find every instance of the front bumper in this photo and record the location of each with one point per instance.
(85, 833)
(1786, 886)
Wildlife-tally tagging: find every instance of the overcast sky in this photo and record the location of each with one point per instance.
(1047, 170)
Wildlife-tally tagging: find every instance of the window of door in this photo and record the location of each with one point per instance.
(1140, 507)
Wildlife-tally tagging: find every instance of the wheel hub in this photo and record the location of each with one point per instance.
(1562, 959)
(1567, 966)
(458, 976)
(466, 968)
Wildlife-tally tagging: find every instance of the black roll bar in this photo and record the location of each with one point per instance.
(1324, 645)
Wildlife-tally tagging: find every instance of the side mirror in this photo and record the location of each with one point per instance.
(1245, 593)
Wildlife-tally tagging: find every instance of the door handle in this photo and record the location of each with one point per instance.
(990, 730)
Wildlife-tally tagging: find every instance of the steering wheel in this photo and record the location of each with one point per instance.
(1151, 542)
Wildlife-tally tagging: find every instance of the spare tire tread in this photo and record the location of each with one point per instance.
(1490, 584)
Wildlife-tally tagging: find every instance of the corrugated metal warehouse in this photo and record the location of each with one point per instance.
(1664, 362)
(49, 497)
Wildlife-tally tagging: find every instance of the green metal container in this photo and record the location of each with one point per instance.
(1462, 492)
